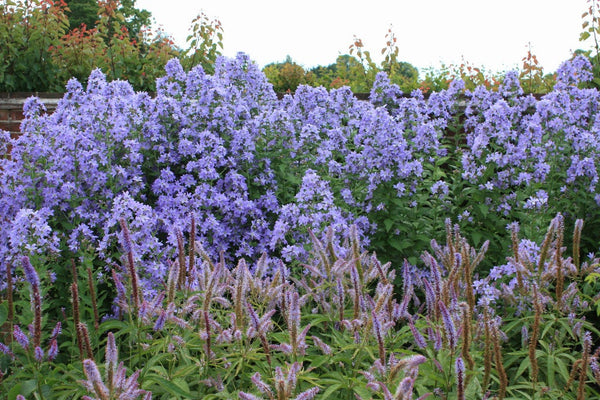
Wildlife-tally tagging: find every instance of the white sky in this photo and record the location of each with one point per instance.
(489, 34)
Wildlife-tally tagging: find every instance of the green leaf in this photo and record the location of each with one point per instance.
(3, 313)
(330, 390)
(562, 369)
(399, 245)
(483, 209)
(476, 237)
(388, 223)
(524, 365)
(112, 325)
(16, 390)
(551, 371)
(156, 359)
(363, 392)
(185, 370)
(317, 361)
(25, 389)
(584, 36)
(474, 389)
(168, 386)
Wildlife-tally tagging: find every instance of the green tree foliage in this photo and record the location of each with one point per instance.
(591, 32)
(205, 43)
(356, 70)
(28, 30)
(110, 47)
(325, 76)
(135, 19)
(82, 12)
(533, 79)
(40, 51)
(400, 72)
(286, 76)
(86, 12)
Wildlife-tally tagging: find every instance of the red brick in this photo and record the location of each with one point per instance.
(16, 115)
(4, 115)
(10, 126)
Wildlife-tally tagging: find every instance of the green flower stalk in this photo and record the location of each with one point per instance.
(180, 257)
(585, 358)
(191, 254)
(259, 327)
(459, 367)
(76, 321)
(128, 247)
(92, 288)
(9, 295)
(36, 300)
(498, 360)
(535, 331)
(449, 326)
(379, 333)
(173, 280)
(560, 278)
(206, 335)
(577, 242)
(466, 335)
(242, 275)
(83, 332)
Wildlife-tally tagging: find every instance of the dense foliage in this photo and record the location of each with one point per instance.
(216, 331)
(97, 200)
(41, 50)
(356, 70)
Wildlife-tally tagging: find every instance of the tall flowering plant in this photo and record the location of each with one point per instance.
(528, 159)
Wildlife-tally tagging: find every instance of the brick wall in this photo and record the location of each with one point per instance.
(11, 108)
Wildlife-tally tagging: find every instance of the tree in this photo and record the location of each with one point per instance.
(82, 12)
(205, 43)
(401, 73)
(135, 19)
(285, 76)
(28, 32)
(86, 12)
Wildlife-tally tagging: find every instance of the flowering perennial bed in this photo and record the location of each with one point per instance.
(230, 230)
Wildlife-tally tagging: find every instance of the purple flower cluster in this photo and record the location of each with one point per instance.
(258, 175)
(108, 153)
(526, 153)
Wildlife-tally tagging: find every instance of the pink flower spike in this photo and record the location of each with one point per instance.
(248, 396)
(30, 272)
(21, 337)
(56, 331)
(39, 354)
(405, 389)
(112, 358)
(448, 325)
(460, 378)
(53, 350)
(94, 380)
(260, 385)
(322, 345)
(308, 394)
